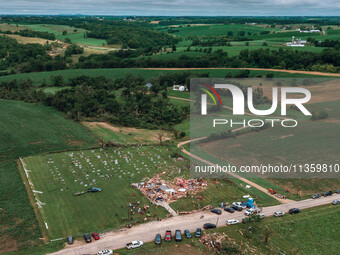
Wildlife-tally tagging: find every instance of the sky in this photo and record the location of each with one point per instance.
(174, 8)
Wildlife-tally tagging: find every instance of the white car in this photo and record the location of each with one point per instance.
(251, 211)
(232, 222)
(134, 244)
(335, 202)
(239, 204)
(262, 215)
(279, 214)
(105, 252)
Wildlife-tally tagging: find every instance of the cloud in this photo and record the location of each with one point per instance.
(176, 7)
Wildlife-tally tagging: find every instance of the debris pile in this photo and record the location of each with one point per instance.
(157, 189)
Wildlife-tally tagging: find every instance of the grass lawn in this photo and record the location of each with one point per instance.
(61, 175)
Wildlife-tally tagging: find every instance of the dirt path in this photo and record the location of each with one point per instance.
(146, 232)
(252, 69)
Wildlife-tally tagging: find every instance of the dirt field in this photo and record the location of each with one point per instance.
(26, 40)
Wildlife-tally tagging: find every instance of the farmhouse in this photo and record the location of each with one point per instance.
(296, 43)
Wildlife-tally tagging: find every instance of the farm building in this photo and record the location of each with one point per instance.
(179, 88)
(296, 43)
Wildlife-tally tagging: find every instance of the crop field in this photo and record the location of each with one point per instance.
(125, 135)
(58, 176)
(38, 129)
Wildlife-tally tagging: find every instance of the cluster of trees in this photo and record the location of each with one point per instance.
(210, 41)
(328, 43)
(74, 49)
(27, 57)
(31, 33)
(125, 101)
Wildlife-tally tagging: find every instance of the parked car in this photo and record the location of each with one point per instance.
(134, 244)
(167, 237)
(70, 240)
(94, 189)
(262, 215)
(87, 238)
(279, 214)
(209, 225)
(105, 252)
(237, 208)
(95, 236)
(178, 235)
(198, 232)
(294, 210)
(317, 195)
(327, 193)
(338, 191)
(187, 233)
(217, 211)
(232, 222)
(251, 211)
(229, 209)
(336, 202)
(158, 239)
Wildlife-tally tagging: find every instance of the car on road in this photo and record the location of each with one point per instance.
(167, 237)
(317, 195)
(229, 209)
(105, 252)
(262, 215)
(209, 225)
(239, 204)
(70, 240)
(217, 211)
(95, 236)
(294, 210)
(198, 232)
(327, 193)
(187, 233)
(338, 191)
(336, 202)
(251, 211)
(94, 189)
(232, 222)
(87, 238)
(237, 208)
(279, 214)
(178, 235)
(134, 244)
(158, 239)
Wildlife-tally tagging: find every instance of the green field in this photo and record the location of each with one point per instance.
(29, 129)
(114, 73)
(61, 175)
(75, 34)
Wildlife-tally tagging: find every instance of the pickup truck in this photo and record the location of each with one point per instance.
(167, 236)
(251, 211)
(134, 244)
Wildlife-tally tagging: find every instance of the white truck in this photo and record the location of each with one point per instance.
(252, 211)
(134, 244)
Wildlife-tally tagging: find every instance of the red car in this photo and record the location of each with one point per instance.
(95, 236)
(167, 236)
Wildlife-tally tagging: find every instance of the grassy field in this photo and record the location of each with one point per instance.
(59, 176)
(314, 231)
(126, 136)
(115, 73)
(37, 129)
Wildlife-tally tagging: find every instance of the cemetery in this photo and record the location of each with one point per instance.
(63, 185)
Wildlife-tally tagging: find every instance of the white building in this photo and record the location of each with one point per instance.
(179, 88)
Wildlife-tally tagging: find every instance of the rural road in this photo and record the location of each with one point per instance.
(146, 232)
(252, 69)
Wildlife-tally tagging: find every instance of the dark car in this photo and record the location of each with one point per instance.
(187, 233)
(237, 208)
(317, 195)
(294, 211)
(167, 237)
(70, 240)
(178, 235)
(217, 211)
(198, 232)
(327, 193)
(209, 225)
(158, 239)
(87, 238)
(95, 236)
(229, 209)
(338, 191)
